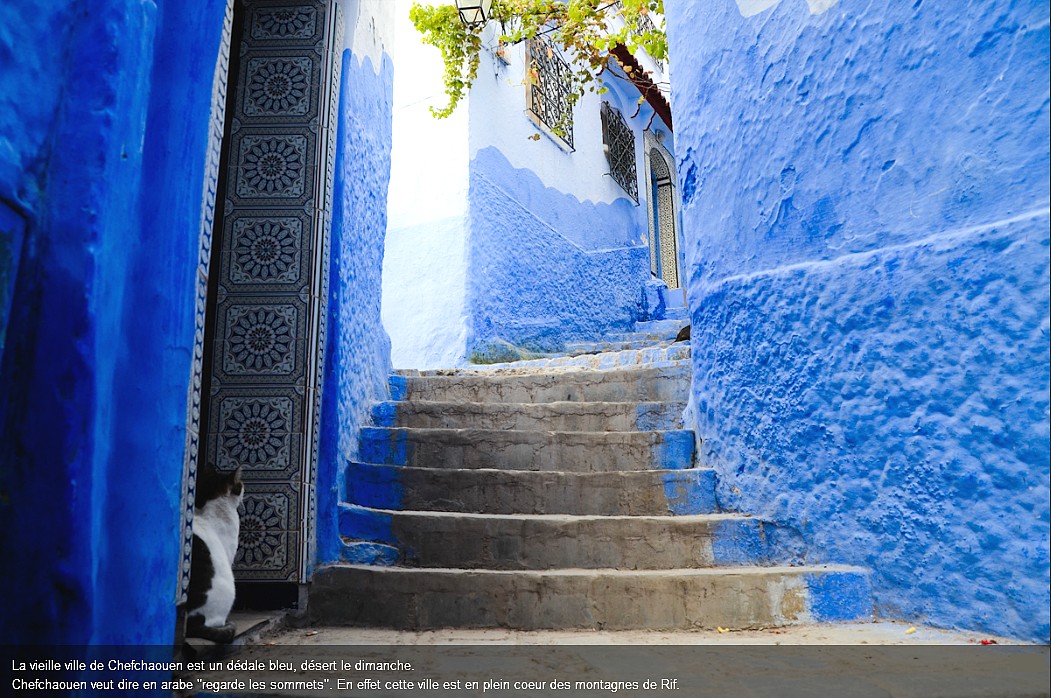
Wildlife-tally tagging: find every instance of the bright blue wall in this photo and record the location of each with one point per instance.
(104, 122)
(866, 215)
(529, 282)
(357, 361)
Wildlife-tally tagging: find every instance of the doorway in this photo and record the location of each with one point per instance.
(263, 276)
(663, 224)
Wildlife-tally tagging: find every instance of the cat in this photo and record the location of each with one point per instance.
(216, 525)
(684, 335)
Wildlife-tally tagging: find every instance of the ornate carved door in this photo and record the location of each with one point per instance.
(664, 248)
(264, 329)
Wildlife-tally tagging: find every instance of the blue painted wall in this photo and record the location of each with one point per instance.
(866, 216)
(545, 267)
(104, 122)
(357, 362)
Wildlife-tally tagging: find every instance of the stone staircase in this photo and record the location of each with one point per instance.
(557, 497)
(645, 335)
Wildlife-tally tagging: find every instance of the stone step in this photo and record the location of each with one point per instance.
(550, 416)
(679, 313)
(556, 541)
(569, 451)
(654, 338)
(640, 493)
(662, 328)
(662, 354)
(611, 345)
(729, 598)
(664, 384)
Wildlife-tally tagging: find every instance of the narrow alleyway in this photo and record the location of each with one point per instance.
(543, 528)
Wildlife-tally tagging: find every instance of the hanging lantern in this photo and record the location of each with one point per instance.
(474, 13)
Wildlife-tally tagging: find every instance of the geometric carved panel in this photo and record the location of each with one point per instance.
(272, 166)
(278, 86)
(269, 538)
(260, 339)
(284, 22)
(259, 429)
(256, 432)
(267, 345)
(266, 250)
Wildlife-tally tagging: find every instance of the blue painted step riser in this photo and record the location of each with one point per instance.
(839, 596)
(736, 542)
(672, 450)
(648, 416)
(384, 487)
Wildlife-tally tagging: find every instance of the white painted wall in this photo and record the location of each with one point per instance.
(425, 259)
(368, 29)
(499, 118)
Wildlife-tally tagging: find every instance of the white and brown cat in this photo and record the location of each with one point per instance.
(216, 525)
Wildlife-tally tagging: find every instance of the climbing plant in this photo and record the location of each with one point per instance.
(583, 28)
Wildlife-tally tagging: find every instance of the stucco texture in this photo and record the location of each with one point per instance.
(866, 218)
(357, 361)
(531, 285)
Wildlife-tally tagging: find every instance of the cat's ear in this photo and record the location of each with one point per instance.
(236, 485)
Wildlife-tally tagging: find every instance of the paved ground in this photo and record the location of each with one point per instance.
(855, 660)
(831, 634)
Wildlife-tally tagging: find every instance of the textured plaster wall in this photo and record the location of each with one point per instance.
(866, 215)
(357, 360)
(104, 118)
(532, 286)
(557, 250)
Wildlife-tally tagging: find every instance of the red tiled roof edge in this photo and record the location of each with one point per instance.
(644, 84)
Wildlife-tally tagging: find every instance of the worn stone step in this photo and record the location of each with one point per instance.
(664, 384)
(680, 313)
(668, 327)
(569, 451)
(733, 598)
(656, 338)
(550, 416)
(638, 493)
(658, 355)
(553, 541)
(612, 344)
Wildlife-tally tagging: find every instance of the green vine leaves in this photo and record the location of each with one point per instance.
(583, 28)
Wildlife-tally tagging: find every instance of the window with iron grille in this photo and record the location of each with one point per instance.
(549, 89)
(618, 142)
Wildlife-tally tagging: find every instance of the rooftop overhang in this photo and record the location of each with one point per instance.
(641, 79)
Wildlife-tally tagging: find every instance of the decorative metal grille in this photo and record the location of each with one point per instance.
(665, 216)
(619, 145)
(549, 89)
